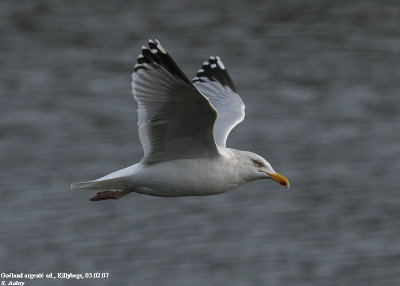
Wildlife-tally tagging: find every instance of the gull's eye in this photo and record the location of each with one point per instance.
(258, 163)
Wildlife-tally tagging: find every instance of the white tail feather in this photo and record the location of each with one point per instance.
(115, 183)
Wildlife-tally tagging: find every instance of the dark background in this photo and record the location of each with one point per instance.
(320, 80)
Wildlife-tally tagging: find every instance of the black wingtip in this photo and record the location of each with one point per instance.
(214, 70)
(156, 55)
(152, 44)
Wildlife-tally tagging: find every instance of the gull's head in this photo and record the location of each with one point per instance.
(255, 167)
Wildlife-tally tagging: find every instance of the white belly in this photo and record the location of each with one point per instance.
(186, 177)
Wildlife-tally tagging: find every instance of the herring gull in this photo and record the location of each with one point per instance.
(183, 128)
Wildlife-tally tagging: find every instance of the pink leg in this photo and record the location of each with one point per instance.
(109, 195)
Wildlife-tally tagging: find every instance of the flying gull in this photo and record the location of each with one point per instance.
(183, 128)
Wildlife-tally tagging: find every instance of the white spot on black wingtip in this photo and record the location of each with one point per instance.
(213, 66)
(152, 45)
(140, 59)
(212, 58)
(220, 64)
(137, 67)
(141, 66)
(154, 51)
(146, 66)
(144, 48)
(205, 64)
(160, 47)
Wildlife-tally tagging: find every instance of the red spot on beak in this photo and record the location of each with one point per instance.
(280, 179)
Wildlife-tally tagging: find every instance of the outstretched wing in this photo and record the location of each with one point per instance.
(175, 120)
(214, 82)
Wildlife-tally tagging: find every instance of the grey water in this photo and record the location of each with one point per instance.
(320, 80)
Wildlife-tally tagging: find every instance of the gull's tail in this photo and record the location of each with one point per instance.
(118, 180)
(115, 183)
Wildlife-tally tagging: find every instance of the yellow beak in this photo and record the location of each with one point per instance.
(280, 179)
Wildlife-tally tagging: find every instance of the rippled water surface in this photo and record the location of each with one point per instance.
(321, 88)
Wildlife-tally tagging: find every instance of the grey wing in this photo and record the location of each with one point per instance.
(175, 120)
(214, 82)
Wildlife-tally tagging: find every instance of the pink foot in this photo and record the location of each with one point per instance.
(108, 195)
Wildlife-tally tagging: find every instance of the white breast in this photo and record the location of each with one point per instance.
(185, 177)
